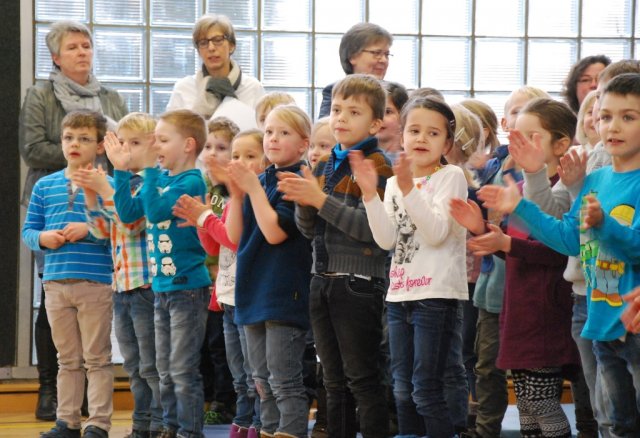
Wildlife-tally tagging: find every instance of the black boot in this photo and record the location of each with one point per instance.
(47, 367)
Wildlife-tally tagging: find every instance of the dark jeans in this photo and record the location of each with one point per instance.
(346, 315)
(469, 323)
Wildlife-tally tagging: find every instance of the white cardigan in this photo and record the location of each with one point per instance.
(429, 260)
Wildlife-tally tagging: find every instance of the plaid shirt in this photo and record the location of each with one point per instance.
(128, 244)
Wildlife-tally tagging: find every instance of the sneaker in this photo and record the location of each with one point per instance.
(138, 434)
(95, 432)
(60, 430)
(164, 433)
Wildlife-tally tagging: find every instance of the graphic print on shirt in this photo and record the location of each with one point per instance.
(603, 274)
(226, 275)
(151, 247)
(406, 245)
(154, 266)
(164, 244)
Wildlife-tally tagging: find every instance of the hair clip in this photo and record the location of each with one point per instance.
(459, 133)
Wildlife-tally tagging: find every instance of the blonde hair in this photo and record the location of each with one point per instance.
(487, 117)
(527, 90)
(224, 126)
(293, 116)
(142, 123)
(587, 103)
(189, 124)
(271, 100)
(320, 123)
(469, 136)
(258, 137)
(207, 21)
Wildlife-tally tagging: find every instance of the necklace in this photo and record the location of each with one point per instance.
(424, 180)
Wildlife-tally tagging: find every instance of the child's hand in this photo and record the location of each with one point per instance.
(75, 231)
(591, 213)
(365, 174)
(502, 199)
(93, 179)
(631, 315)
(52, 239)
(244, 177)
(402, 170)
(190, 209)
(528, 155)
(573, 167)
(216, 171)
(467, 214)
(303, 190)
(488, 243)
(118, 153)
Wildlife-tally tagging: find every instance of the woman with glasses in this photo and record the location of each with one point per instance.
(363, 49)
(582, 78)
(220, 82)
(71, 86)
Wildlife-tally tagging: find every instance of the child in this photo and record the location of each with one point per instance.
(133, 300)
(77, 282)
(322, 140)
(423, 300)
(535, 337)
(601, 227)
(218, 382)
(272, 276)
(490, 129)
(268, 102)
(586, 133)
(348, 286)
(246, 148)
(180, 279)
(391, 131)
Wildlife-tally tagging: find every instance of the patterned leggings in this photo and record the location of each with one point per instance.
(538, 394)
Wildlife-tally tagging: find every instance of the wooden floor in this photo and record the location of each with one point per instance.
(26, 425)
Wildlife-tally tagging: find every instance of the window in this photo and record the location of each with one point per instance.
(481, 48)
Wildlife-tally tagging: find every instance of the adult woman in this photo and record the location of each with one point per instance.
(219, 87)
(71, 86)
(363, 49)
(582, 78)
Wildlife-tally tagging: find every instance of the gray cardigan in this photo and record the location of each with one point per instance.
(40, 121)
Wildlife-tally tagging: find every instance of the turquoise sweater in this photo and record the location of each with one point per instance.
(175, 253)
(610, 253)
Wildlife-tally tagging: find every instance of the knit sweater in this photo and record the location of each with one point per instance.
(272, 281)
(342, 239)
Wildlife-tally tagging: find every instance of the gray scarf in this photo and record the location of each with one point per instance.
(214, 90)
(74, 96)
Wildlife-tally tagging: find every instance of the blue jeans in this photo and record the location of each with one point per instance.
(589, 365)
(247, 402)
(133, 313)
(180, 321)
(619, 373)
(275, 354)
(420, 335)
(456, 384)
(346, 315)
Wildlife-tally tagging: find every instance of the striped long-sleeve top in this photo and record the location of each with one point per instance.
(128, 240)
(54, 204)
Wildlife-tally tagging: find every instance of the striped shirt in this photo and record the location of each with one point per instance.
(128, 242)
(54, 204)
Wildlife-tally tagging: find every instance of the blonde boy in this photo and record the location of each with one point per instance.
(270, 101)
(76, 281)
(180, 278)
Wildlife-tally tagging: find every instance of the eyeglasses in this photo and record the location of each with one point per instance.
(85, 141)
(379, 54)
(217, 41)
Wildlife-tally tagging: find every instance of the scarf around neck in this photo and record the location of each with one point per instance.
(74, 96)
(214, 90)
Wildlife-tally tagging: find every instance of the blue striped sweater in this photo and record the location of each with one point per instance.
(52, 207)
